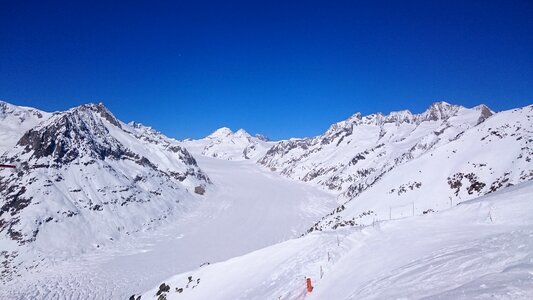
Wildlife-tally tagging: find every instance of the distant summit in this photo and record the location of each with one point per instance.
(223, 143)
(221, 133)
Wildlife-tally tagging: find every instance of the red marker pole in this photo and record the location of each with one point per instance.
(309, 286)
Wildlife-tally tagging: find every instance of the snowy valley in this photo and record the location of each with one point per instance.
(436, 205)
(481, 249)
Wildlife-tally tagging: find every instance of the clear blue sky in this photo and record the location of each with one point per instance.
(282, 68)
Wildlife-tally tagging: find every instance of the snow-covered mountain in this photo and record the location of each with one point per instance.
(483, 159)
(85, 178)
(226, 144)
(451, 146)
(15, 120)
(351, 155)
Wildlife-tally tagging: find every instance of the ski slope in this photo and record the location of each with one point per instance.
(247, 208)
(481, 249)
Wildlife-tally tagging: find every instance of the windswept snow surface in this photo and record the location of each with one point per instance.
(480, 249)
(247, 208)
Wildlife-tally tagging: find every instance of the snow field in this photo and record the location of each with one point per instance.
(460, 253)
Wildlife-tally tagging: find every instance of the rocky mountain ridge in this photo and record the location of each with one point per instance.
(359, 150)
(86, 175)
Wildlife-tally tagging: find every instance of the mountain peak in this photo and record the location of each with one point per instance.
(355, 117)
(242, 133)
(221, 133)
(440, 110)
(485, 112)
(68, 135)
(22, 112)
(100, 109)
(482, 108)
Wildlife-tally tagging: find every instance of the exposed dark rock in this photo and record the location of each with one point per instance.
(200, 190)
(163, 288)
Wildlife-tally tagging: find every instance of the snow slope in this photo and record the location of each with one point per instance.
(490, 156)
(84, 180)
(246, 208)
(15, 121)
(353, 154)
(226, 144)
(481, 249)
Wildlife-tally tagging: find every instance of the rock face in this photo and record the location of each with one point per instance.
(223, 143)
(85, 177)
(403, 164)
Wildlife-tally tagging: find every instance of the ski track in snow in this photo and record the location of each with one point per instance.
(247, 208)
